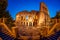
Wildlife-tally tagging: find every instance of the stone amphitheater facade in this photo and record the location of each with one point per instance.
(31, 25)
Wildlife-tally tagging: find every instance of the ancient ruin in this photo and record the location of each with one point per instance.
(31, 25)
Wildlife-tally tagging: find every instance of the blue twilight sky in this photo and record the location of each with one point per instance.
(15, 6)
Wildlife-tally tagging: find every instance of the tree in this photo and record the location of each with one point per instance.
(10, 21)
(3, 6)
(58, 15)
(5, 14)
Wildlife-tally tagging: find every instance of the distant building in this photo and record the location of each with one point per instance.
(34, 18)
(32, 25)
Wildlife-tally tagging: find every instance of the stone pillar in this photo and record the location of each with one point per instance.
(32, 23)
(56, 20)
(25, 23)
(28, 23)
(3, 20)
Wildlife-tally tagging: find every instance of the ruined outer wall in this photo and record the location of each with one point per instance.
(43, 15)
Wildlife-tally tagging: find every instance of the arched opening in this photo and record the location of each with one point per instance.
(30, 23)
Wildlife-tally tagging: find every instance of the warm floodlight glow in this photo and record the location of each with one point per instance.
(30, 19)
(17, 16)
(41, 19)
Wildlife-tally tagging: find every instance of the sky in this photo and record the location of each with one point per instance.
(15, 6)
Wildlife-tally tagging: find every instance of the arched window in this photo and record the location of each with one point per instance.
(21, 17)
(26, 17)
(30, 23)
(26, 23)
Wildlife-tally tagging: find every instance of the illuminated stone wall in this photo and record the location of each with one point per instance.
(31, 23)
(44, 17)
(34, 18)
(27, 18)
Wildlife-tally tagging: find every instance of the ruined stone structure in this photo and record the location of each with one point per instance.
(34, 18)
(27, 18)
(30, 25)
(33, 23)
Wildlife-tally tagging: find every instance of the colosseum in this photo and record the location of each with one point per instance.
(31, 25)
(34, 18)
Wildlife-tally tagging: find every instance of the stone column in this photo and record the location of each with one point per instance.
(25, 23)
(32, 23)
(3, 20)
(28, 23)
